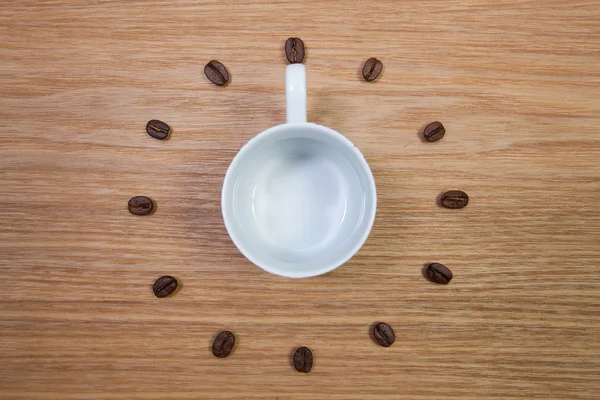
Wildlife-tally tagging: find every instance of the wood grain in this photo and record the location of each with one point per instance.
(517, 85)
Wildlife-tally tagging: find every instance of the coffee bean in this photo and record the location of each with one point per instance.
(164, 286)
(454, 199)
(158, 129)
(372, 69)
(294, 50)
(303, 359)
(223, 344)
(439, 273)
(140, 205)
(434, 131)
(216, 73)
(384, 334)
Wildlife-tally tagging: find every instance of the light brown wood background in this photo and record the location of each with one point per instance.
(517, 85)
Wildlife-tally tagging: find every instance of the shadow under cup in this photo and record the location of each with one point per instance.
(299, 200)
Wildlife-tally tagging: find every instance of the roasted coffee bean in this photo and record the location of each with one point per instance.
(303, 359)
(439, 273)
(434, 131)
(223, 344)
(140, 205)
(454, 199)
(164, 286)
(384, 334)
(294, 50)
(372, 69)
(158, 129)
(216, 73)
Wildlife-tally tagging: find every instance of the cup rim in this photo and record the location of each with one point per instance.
(226, 198)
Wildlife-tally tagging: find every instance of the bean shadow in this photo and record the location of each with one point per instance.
(420, 134)
(438, 199)
(424, 270)
(372, 329)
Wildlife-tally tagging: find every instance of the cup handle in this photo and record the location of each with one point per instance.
(295, 93)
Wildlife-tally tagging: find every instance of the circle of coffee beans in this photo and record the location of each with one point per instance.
(224, 342)
(140, 205)
(303, 360)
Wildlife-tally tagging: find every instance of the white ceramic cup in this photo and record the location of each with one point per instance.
(298, 199)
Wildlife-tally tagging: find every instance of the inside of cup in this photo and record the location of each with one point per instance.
(299, 200)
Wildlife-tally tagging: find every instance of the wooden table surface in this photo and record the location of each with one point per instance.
(515, 82)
